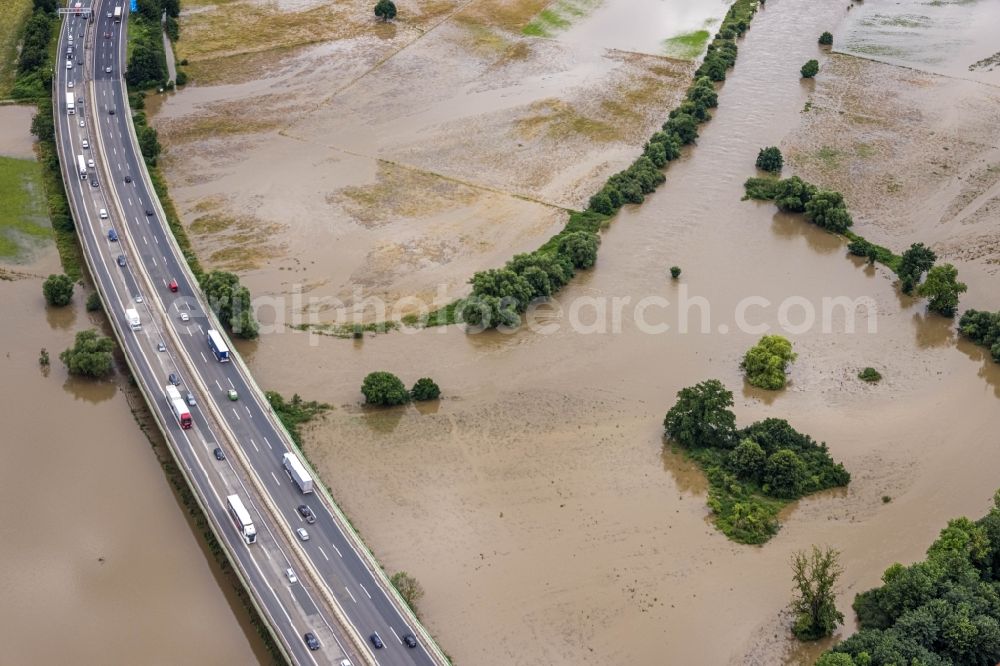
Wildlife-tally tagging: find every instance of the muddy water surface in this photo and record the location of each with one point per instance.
(97, 562)
(536, 503)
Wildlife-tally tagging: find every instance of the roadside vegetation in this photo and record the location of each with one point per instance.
(15, 13)
(295, 412)
(90, 355)
(827, 209)
(752, 472)
(33, 79)
(500, 296)
(409, 588)
(936, 612)
(147, 61)
(231, 303)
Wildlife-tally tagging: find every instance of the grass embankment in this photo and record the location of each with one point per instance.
(500, 296)
(15, 13)
(22, 207)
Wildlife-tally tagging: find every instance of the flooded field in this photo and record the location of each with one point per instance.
(536, 502)
(99, 564)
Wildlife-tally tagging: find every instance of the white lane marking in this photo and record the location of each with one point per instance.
(231, 382)
(395, 634)
(157, 239)
(275, 477)
(249, 413)
(218, 384)
(366, 591)
(154, 260)
(129, 200)
(323, 554)
(203, 357)
(337, 549)
(350, 595)
(268, 444)
(144, 239)
(236, 415)
(254, 445)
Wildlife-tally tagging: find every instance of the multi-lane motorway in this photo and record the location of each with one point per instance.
(339, 595)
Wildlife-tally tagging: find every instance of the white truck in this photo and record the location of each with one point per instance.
(70, 104)
(298, 473)
(133, 319)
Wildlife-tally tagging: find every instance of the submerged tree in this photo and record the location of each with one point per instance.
(815, 576)
(385, 10)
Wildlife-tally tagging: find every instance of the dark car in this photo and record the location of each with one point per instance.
(311, 641)
(410, 640)
(112, 235)
(121, 260)
(107, 35)
(149, 213)
(94, 183)
(219, 455)
(376, 641)
(111, 111)
(128, 179)
(174, 379)
(172, 285)
(307, 513)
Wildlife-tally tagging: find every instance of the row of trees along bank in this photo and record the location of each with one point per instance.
(499, 296)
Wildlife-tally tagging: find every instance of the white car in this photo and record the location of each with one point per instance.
(69, 85)
(303, 535)
(103, 214)
(90, 163)
(86, 144)
(138, 299)
(290, 574)
(82, 124)
(184, 316)
(69, 64)
(108, 69)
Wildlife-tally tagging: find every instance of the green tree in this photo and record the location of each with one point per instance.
(814, 605)
(90, 356)
(915, 262)
(870, 375)
(942, 289)
(425, 389)
(785, 475)
(384, 388)
(408, 587)
(683, 126)
(93, 302)
(810, 69)
(701, 417)
(146, 66)
(828, 210)
(385, 10)
(149, 143)
(748, 460)
(675, 272)
(826, 39)
(58, 290)
(792, 195)
(580, 247)
(770, 159)
(765, 363)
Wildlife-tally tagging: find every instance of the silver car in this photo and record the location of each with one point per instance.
(303, 535)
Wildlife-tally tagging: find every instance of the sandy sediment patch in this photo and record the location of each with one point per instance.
(886, 136)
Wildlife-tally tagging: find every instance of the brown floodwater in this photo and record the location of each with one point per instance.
(536, 502)
(98, 563)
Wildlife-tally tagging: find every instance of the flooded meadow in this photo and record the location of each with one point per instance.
(536, 502)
